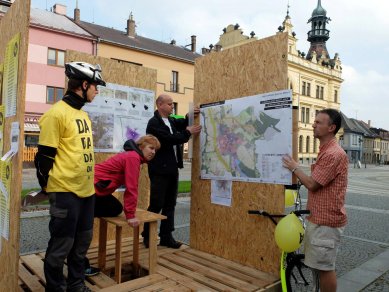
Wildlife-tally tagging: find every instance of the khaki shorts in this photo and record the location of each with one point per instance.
(321, 245)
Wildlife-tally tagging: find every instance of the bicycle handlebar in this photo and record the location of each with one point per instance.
(301, 212)
(271, 216)
(264, 213)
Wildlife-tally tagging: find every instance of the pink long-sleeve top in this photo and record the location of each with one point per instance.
(121, 169)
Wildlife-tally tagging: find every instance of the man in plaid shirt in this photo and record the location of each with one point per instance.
(326, 186)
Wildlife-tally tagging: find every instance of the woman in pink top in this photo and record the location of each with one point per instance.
(123, 169)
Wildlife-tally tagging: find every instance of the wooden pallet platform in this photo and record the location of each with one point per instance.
(184, 269)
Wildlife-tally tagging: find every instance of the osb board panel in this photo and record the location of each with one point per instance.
(229, 232)
(15, 21)
(128, 75)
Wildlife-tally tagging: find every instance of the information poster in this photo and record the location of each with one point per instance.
(119, 113)
(244, 139)
(1, 129)
(5, 190)
(1, 82)
(10, 76)
(221, 192)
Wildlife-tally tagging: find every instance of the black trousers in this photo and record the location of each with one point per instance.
(71, 229)
(106, 206)
(163, 198)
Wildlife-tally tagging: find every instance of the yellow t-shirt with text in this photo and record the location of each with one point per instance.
(69, 130)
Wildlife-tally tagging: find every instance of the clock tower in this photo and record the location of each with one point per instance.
(318, 35)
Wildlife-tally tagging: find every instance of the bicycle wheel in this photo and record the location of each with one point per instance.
(299, 277)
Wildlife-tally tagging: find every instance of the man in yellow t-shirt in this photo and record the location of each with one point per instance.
(65, 170)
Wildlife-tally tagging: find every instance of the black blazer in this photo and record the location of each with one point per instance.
(165, 162)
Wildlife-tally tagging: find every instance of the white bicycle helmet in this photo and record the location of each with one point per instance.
(84, 71)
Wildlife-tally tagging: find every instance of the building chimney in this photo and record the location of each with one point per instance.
(77, 14)
(369, 123)
(218, 48)
(131, 26)
(205, 51)
(193, 43)
(59, 9)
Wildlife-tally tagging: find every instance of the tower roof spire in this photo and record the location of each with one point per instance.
(319, 10)
(318, 35)
(287, 10)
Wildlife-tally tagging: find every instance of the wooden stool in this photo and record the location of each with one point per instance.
(120, 221)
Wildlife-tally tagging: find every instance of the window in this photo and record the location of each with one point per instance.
(31, 140)
(174, 82)
(174, 108)
(302, 114)
(307, 145)
(56, 57)
(336, 96)
(301, 144)
(307, 115)
(315, 145)
(54, 94)
(308, 89)
(303, 89)
(319, 92)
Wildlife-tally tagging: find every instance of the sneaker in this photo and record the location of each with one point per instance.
(169, 241)
(91, 271)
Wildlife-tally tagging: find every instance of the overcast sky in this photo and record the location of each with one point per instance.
(358, 32)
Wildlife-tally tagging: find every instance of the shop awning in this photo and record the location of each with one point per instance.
(29, 127)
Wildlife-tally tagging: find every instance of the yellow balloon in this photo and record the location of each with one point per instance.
(289, 233)
(290, 197)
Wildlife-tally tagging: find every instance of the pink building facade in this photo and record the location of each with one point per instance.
(50, 35)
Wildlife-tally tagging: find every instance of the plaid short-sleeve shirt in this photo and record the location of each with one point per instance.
(330, 171)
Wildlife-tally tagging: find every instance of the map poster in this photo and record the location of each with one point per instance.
(10, 76)
(119, 113)
(244, 139)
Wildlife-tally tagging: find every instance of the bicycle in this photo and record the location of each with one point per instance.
(294, 274)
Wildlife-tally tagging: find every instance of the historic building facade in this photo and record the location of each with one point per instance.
(314, 77)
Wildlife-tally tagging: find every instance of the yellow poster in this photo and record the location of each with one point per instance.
(1, 82)
(1, 129)
(10, 76)
(5, 190)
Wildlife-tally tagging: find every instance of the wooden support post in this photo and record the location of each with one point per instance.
(118, 254)
(102, 244)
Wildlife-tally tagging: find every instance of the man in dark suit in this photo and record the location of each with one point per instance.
(163, 169)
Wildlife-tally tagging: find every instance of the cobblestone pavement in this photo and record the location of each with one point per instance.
(366, 237)
(379, 285)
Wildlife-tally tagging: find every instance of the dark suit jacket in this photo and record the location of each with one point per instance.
(165, 161)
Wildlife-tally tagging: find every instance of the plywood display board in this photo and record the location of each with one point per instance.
(229, 232)
(129, 75)
(14, 25)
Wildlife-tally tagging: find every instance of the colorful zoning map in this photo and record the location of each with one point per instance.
(244, 139)
(119, 113)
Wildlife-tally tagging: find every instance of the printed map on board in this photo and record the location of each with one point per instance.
(244, 139)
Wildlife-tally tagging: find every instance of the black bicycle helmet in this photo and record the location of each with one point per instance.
(84, 71)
